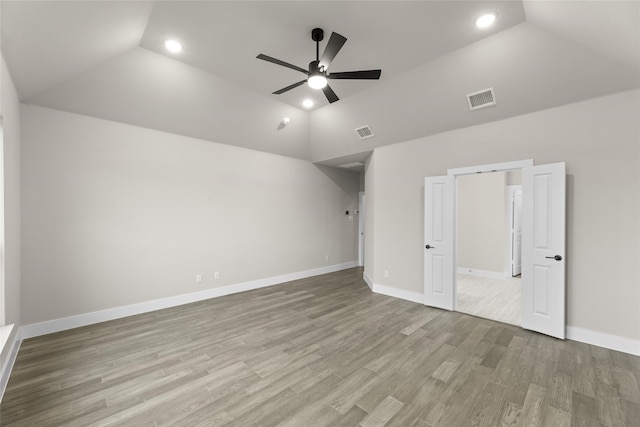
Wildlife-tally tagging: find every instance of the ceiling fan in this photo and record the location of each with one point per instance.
(317, 73)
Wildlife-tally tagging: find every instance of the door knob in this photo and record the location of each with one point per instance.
(557, 257)
(429, 247)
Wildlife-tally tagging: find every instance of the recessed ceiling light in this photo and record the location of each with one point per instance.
(486, 20)
(172, 45)
(307, 103)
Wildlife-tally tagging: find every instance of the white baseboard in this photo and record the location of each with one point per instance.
(483, 273)
(398, 293)
(612, 342)
(367, 280)
(62, 324)
(10, 346)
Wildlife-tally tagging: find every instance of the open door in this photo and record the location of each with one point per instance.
(543, 249)
(438, 242)
(516, 233)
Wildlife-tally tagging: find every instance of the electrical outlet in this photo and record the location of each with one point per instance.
(326, 258)
(216, 275)
(350, 218)
(386, 274)
(198, 278)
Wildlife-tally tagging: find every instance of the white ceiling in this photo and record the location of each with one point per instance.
(106, 59)
(609, 27)
(386, 35)
(46, 43)
(529, 69)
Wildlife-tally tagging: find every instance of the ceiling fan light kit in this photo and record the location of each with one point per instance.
(317, 74)
(317, 81)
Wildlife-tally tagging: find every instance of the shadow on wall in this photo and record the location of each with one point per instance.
(349, 182)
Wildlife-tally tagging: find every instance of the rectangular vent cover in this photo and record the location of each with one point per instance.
(481, 99)
(364, 132)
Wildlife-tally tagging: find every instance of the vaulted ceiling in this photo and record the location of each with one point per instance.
(107, 59)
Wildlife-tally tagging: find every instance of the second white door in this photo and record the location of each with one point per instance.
(516, 232)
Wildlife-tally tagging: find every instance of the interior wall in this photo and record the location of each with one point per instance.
(10, 111)
(514, 177)
(598, 140)
(116, 214)
(370, 217)
(481, 216)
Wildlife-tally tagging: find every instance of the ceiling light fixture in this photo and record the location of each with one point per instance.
(486, 20)
(307, 103)
(172, 45)
(317, 80)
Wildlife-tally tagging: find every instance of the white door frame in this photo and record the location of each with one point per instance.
(452, 175)
(455, 173)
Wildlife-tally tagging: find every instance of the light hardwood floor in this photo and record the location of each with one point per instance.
(323, 351)
(495, 299)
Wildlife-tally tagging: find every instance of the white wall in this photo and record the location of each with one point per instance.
(481, 222)
(514, 178)
(115, 214)
(10, 111)
(599, 141)
(370, 217)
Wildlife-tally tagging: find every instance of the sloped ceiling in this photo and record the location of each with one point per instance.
(529, 69)
(392, 36)
(609, 27)
(106, 59)
(46, 43)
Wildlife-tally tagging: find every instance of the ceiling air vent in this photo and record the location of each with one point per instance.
(364, 132)
(481, 99)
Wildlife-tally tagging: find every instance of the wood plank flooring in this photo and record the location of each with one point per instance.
(323, 351)
(495, 299)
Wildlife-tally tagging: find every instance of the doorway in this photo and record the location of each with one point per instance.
(543, 242)
(488, 243)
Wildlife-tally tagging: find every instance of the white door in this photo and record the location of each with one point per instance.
(543, 249)
(516, 233)
(361, 228)
(438, 242)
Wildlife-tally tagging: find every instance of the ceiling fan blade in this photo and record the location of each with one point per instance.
(336, 41)
(284, 64)
(355, 75)
(330, 94)
(284, 89)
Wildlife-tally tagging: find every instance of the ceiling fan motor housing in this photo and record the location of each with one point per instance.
(314, 67)
(317, 34)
